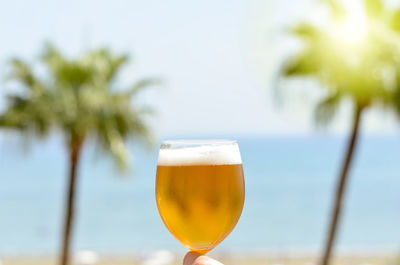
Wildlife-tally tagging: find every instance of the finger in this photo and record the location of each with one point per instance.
(190, 257)
(194, 258)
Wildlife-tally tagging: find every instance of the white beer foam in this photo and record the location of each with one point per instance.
(200, 155)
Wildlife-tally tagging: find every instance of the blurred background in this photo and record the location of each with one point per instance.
(217, 69)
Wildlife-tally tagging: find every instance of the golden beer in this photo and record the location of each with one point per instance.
(200, 204)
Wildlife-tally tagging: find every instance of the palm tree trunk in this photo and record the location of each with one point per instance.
(341, 187)
(74, 154)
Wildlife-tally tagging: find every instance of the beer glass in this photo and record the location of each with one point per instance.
(200, 190)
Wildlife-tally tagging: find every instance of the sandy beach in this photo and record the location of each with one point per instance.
(228, 259)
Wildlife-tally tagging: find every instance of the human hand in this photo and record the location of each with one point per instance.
(194, 258)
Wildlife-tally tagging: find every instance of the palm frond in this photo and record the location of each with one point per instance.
(141, 85)
(52, 57)
(22, 73)
(395, 20)
(374, 8)
(300, 65)
(65, 71)
(117, 148)
(115, 64)
(26, 114)
(327, 108)
(336, 8)
(305, 31)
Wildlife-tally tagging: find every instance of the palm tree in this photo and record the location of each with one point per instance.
(355, 59)
(79, 100)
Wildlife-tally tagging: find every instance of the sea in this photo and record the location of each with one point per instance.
(290, 183)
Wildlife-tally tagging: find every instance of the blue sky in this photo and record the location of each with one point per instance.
(218, 59)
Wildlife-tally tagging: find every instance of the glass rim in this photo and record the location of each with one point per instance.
(184, 143)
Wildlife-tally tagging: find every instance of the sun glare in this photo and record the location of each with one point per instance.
(353, 29)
